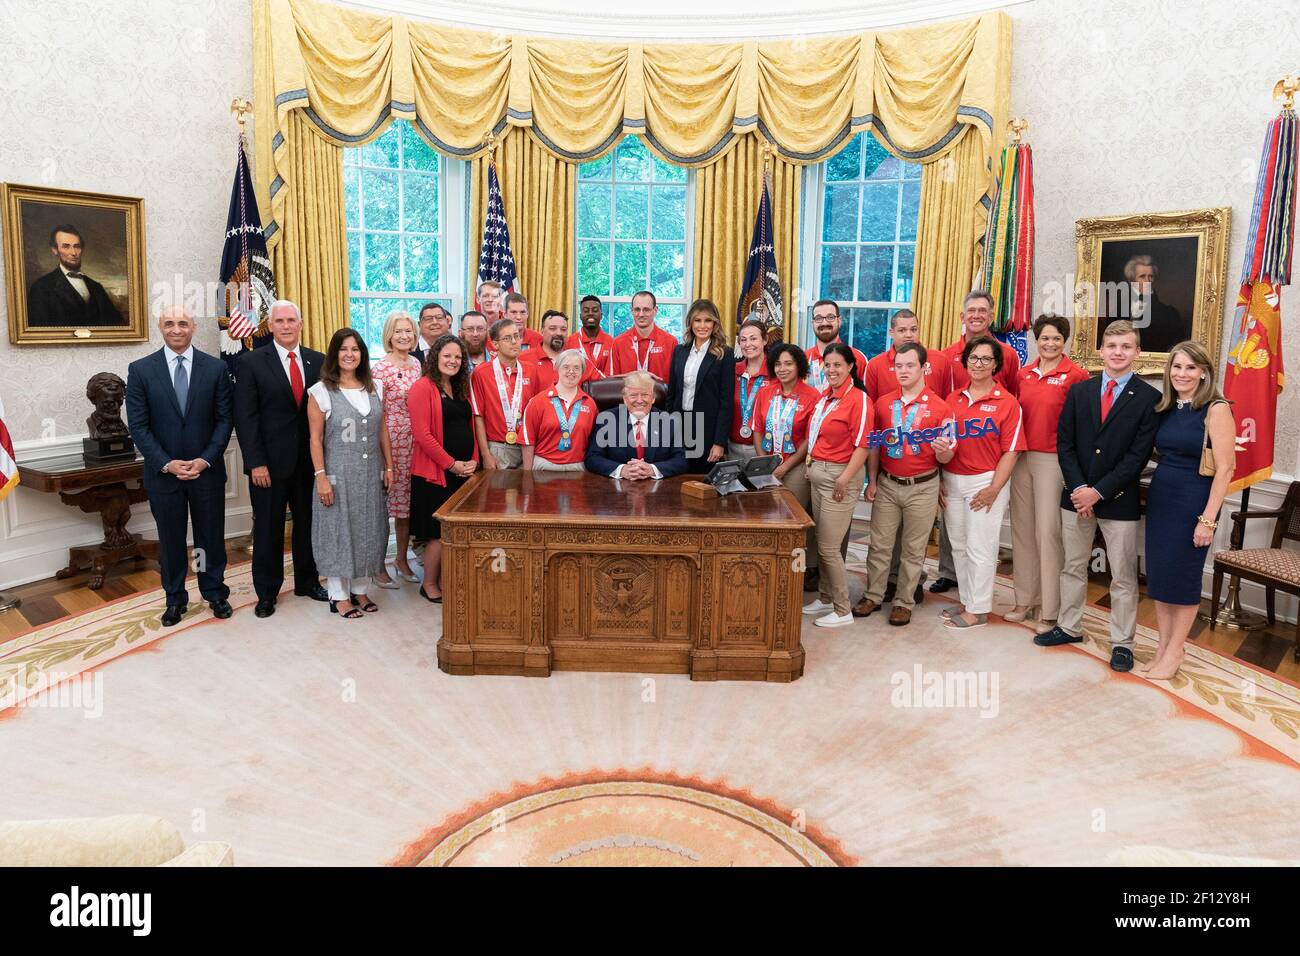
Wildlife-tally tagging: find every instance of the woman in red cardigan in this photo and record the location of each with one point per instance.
(444, 453)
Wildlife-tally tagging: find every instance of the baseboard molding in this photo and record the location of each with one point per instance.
(37, 529)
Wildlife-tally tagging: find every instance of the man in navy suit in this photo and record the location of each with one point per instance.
(1103, 441)
(636, 441)
(271, 385)
(178, 402)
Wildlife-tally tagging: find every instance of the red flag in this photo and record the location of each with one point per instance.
(8, 466)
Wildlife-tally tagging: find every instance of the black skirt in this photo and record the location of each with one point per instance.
(426, 498)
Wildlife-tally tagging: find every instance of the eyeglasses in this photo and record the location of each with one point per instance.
(980, 360)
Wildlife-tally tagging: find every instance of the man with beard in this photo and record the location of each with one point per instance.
(597, 345)
(541, 361)
(826, 324)
(474, 333)
(67, 296)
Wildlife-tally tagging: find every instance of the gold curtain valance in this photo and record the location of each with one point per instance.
(352, 72)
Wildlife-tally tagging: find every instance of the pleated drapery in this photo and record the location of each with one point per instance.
(931, 93)
(539, 193)
(726, 202)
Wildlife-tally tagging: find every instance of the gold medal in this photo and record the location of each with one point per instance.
(511, 438)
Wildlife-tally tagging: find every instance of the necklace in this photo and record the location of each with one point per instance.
(1182, 402)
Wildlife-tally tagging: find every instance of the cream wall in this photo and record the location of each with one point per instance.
(123, 97)
(1149, 107)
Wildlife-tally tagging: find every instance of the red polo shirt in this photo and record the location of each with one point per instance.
(1042, 397)
(925, 414)
(599, 353)
(817, 378)
(542, 369)
(881, 379)
(979, 447)
(804, 396)
(847, 426)
(542, 427)
(1008, 378)
(531, 338)
(759, 382)
(655, 353)
(486, 398)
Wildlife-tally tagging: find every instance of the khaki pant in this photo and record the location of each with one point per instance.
(507, 456)
(1077, 535)
(908, 509)
(1036, 549)
(742, 450)
(541, 464)
(796, 479)
(833, 518)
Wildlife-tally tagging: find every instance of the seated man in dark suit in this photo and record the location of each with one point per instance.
(635, 440)
(1104, 439)
(66, 296)
(179, 403)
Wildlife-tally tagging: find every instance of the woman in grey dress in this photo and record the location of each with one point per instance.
(352, 457)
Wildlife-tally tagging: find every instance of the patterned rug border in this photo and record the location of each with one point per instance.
(423, 845)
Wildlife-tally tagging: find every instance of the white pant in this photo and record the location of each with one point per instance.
(974, 536)
(339, 588)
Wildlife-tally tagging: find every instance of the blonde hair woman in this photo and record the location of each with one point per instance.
(398, 371)
(1182, 504)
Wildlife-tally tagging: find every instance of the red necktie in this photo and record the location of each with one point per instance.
(1107, 399)
(640, 442)
(295, 379)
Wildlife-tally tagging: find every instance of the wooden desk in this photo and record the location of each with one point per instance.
(95, 489)
(561, 571)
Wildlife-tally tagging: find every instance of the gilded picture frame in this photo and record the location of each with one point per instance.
(1166, 272)
(74, 266)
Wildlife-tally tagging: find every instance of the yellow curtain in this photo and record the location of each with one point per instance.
(949, 233)
(726, 204)
(539, 193)
(311, 260)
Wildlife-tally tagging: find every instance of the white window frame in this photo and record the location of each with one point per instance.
(451, 236)
(688, 242)
(814, 207)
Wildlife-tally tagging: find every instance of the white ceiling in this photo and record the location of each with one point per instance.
(678, 19)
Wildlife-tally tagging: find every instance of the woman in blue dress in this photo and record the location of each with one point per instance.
(1182, 504)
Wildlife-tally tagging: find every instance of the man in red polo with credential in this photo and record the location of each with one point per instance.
(541, 361)
(499, 392)
(904, 327)
(826, 324)
(903, 484)
(645, 347)
(597, 345)
(976, 315)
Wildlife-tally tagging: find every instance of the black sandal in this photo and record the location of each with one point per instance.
(350, 612)
(367, 605)
(433, 600)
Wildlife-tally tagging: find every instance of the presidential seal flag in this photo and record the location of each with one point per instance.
(760, 294)
(245, 270)
(496, 261)
(1253, 376)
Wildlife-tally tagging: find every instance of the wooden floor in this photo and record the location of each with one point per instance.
(1271, 649)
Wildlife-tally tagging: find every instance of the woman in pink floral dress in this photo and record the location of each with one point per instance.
(399, 370)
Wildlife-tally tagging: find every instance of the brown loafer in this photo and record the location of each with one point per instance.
(865, 608)
(900, 616)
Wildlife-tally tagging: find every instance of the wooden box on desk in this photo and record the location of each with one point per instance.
(563, 571)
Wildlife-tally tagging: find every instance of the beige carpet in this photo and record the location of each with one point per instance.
(304, 739)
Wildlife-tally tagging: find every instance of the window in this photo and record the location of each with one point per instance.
(404, 228)
(634, 233)
(866, 238)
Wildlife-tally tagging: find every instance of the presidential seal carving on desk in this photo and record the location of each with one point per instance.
(624, 593)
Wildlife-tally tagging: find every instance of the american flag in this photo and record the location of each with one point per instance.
(245, 269)
(496, 261)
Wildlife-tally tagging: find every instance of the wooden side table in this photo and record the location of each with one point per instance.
(101, 489)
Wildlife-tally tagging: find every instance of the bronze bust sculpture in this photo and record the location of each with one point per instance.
(107, 391)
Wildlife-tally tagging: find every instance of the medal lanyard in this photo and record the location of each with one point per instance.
(510, 408)
(903, 424)
(566, 422)
(594, 353)
(642, 365)
(748, 394)
(780, 421)
(819, 415)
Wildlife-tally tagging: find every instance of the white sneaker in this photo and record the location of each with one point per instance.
(834, 620)
(818, 607)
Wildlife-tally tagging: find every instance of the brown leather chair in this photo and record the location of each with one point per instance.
(1275, 567)
(608, 392)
